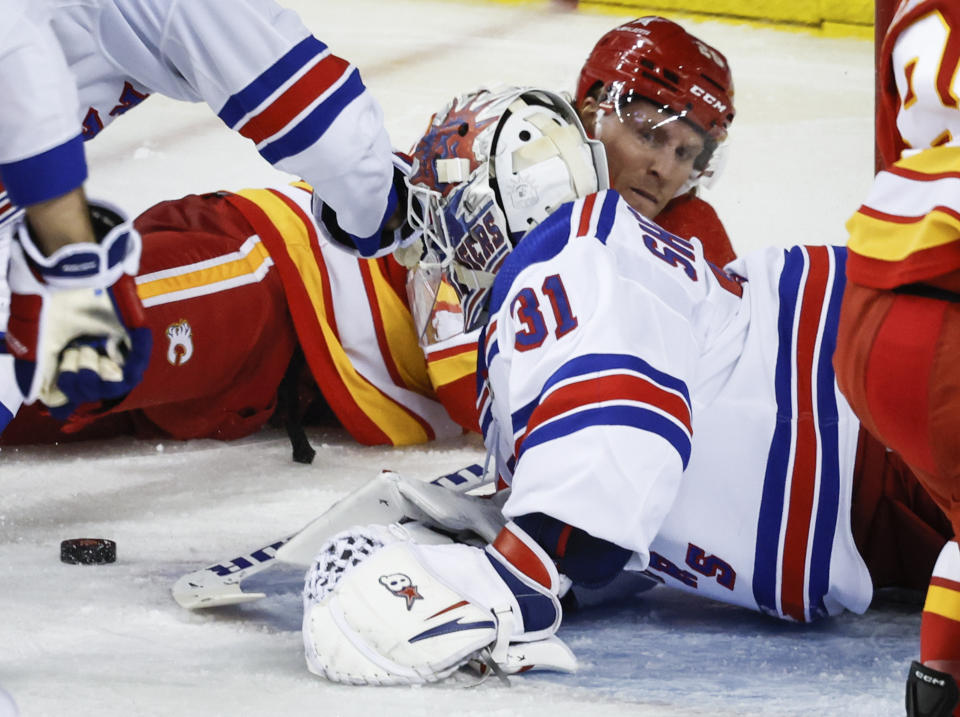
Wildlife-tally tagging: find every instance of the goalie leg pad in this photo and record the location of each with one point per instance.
(375, 613)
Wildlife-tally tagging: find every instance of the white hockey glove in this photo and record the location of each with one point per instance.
(77, 329)
(390, 498)
(380, 609)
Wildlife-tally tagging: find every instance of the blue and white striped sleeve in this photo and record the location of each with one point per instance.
(268, 78)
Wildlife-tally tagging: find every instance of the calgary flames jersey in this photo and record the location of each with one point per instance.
(908, 229)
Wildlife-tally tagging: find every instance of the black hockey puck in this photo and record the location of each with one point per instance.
(88, 551)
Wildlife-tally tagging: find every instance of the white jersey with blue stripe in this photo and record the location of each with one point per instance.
(631, 392)
(256, 64)
(259, 68)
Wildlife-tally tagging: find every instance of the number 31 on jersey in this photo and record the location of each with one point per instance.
(528, 306)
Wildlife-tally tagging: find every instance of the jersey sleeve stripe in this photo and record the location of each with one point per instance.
(586, 215)
(604, 220)
(270, 80)
(452, 351)
(606, 391)
(893, 238)
(910, 198)
(908, 229)
(596, 363)
(452, 367)
(311, 128)
(46, 175)
(608, 214)
(637, 417)
(945, 583)
(943, 601)
(248, 265)
(316, 82)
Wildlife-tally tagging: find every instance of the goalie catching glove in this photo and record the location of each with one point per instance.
(77, 329)
(381, 609)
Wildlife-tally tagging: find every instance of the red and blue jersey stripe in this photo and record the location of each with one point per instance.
(606, 390)
(801, 490)
(290, 105)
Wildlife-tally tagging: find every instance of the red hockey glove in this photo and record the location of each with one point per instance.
(77, 329)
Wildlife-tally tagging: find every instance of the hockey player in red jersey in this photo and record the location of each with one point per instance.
(647, 410)
(265, 75)
(900, 325)
(661, 101)
(241, 289)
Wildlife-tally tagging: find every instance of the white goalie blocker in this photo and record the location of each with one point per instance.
(383, 608)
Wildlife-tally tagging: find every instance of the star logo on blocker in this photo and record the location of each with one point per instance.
(401, 586)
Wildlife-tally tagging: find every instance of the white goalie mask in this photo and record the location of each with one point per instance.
(492, 165)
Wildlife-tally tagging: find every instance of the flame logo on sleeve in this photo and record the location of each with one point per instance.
(180, 336)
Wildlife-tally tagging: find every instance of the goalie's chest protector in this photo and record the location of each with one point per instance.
(761, 518)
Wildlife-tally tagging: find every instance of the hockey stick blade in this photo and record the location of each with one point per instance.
(218, 585)
(377, 502)
(382, 500)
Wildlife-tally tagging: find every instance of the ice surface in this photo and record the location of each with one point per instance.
(109, 640)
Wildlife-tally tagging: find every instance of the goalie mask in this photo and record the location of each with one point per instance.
(920, 86)
(492, 165)
(655, 59)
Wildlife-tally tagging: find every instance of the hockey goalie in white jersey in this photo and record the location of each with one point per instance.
(647, 410)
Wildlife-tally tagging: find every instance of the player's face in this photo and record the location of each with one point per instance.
(650, 152)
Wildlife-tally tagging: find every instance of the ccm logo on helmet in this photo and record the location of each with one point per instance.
(698, 91)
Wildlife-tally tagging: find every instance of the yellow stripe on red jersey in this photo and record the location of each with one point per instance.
(248, 265)
(908, 229)
(355, 329)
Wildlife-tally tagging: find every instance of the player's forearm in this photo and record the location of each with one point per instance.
(60, 221)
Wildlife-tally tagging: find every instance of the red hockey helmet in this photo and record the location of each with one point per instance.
(920, 92)
(654, 58)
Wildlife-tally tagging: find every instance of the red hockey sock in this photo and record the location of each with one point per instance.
(940, 626)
